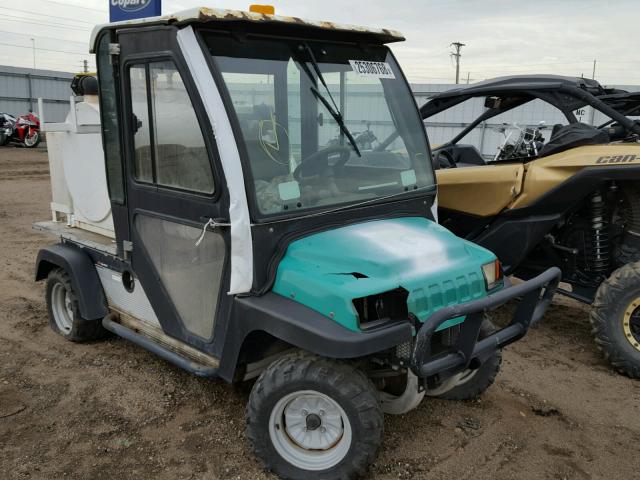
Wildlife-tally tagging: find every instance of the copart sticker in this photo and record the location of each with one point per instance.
(372, 69)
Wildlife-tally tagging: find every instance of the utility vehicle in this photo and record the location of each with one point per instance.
(239, 228)
(572, 201)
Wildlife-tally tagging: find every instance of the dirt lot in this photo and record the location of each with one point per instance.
(111, 410)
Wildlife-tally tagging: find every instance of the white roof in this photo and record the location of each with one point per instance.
(204, 14)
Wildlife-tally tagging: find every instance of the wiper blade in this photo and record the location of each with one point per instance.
(316, 67)
(335, 112)
(338, 118)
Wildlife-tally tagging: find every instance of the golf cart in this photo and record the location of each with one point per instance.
(572, 201)
(244, 226)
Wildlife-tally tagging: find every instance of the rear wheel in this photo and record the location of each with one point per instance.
(313, 418)
(64, 314)
(615, 318)
(471, 384)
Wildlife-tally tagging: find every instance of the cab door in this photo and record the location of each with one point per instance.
(173, 187)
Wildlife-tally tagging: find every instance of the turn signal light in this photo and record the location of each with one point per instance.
(492, 274)
(264, 9)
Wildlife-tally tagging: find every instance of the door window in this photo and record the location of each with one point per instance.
(169, 146)
(110, 124)
(191, 274)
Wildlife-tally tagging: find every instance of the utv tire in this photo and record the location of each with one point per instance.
(615, 318)
(471, 384)
(310, 418)
(64, 314)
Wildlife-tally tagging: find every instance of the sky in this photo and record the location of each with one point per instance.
(501, 37)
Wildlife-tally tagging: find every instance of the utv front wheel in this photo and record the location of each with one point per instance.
(64, 314)
(471, 384)
(615, 318)
(313, 418)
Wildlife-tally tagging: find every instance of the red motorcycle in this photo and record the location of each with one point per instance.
(22, 130)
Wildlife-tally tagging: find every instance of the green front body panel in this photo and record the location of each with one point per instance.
(431, 263)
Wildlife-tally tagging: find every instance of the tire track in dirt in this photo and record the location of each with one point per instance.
(109, 409)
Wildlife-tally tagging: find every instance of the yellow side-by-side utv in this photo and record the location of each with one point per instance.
(571, 201)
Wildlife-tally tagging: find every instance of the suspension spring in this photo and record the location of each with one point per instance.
(598, 249)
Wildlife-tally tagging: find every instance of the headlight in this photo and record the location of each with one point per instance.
(492, 274)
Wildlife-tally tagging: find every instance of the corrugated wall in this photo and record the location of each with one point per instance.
(20, 89)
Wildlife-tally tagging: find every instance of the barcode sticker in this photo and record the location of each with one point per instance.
(372, 69)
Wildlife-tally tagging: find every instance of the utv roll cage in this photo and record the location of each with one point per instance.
(567, 94)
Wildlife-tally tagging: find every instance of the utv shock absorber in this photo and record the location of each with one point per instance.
(598, 258)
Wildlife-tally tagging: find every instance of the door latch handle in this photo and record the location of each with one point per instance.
(213, 223)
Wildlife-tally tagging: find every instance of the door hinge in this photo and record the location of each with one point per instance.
(114, 49)
(127, 248)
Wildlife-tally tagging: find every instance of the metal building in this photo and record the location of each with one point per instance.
(20, 89)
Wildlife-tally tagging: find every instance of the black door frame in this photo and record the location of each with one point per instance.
(143, 46)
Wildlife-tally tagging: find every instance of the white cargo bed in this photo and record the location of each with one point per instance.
(80, 236)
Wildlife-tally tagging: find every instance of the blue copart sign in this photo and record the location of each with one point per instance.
(128, 9)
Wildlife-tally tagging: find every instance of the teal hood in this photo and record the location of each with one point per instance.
(328, 270)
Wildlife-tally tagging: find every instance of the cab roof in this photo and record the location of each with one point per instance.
(204, 15)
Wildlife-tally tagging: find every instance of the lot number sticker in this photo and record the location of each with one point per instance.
(372, 69)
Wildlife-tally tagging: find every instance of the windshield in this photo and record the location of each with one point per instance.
(314, 117)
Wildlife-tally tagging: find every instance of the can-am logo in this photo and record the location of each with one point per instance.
(130, 5)
(617, 159)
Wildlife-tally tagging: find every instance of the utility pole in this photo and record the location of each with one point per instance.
(468, 74)
(33, 44)
(457, 55)
(85, 66)
(593, 75)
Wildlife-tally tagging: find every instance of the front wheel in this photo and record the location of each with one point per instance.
(32, 139)
(470, 384)
(313, 418)
(615, 318)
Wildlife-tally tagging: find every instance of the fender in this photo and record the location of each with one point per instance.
(301, 327)
(84, 278)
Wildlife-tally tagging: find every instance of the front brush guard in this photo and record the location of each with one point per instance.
(470, 352)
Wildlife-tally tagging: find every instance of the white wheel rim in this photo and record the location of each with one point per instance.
(61, 308)
(310, 430)
(31, 140)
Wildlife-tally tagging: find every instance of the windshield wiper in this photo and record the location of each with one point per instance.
(338, 118)
(335, 112)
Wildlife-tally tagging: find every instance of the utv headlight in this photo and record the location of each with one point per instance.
(492, 274)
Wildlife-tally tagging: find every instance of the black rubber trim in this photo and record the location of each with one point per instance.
(468, 348)
(304, 328)
(169, 355)
(84, 277)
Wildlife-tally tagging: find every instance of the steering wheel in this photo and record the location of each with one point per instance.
(318, 162)
(445, 159)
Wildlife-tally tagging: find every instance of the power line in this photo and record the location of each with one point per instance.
(52, 25)
(42, 36)
(46, 15)
(73, 5)
(45, 49)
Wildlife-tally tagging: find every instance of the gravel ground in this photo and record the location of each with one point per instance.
(111, 410)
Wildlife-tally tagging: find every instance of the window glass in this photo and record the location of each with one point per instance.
(181, 159)
(190, 274)
(170, 149)
(110, 126)
(298, 154)
(143, 163)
